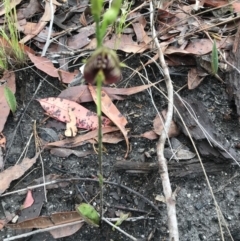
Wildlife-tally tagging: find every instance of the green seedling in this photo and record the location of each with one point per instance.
(11, 52)
(121, 24)
(123, 217)
(88, 214)
(102, 67)
(214, 60)
(11, 100)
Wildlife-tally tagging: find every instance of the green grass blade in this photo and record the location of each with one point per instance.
(214, 61)
(11, 100)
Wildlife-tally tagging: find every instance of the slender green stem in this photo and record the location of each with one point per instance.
(100, 78)
(98, 34)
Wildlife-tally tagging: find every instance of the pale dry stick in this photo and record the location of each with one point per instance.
(49, 30)
(218, 210)
(131, 219)
(24, 235)
(119, 229)
(163, 169)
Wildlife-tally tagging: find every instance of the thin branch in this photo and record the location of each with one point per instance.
(163, 169)
(119, 229)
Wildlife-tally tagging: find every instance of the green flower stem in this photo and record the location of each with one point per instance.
(99, 79)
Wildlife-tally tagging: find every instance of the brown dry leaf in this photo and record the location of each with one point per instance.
(42, 22)
(141, 33)
(151, 135)
(64, 152)
(125, 43)
(158, 126)
(58, 109)
(71, 127)
(4, 108)
(113, 138)
(81, 39)
(45, 222)
(193, 79)
(82, 139)
(111, 111)
(66, 231)
(82, 94)
(47, 66)
(200, 46)
(14, 172)
(13, 3)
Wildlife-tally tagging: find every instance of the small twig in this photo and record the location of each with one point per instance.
(41, 231)
(119, 229)
(131, 219)
(49, 30)
(163, 169)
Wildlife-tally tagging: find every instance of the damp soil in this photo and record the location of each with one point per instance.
(196, 213)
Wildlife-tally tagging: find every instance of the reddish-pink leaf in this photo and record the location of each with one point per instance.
(9, 77)
(58, 109)
(28, 200)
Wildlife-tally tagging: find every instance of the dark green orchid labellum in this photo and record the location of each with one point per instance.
(104, 61)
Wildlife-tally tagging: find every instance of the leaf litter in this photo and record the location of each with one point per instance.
(187, 48)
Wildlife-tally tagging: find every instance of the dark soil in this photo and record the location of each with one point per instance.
(196, 212)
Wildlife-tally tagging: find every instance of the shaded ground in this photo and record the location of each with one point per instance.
(195, 208)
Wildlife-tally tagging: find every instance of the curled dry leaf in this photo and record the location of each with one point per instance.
(58, 109)
(71, 128)
(158, 126)
(111, 111)
(47, 67)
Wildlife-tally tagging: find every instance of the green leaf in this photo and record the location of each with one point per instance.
(111, 14)
(10, 97)
(89, 214)
(214, 61)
